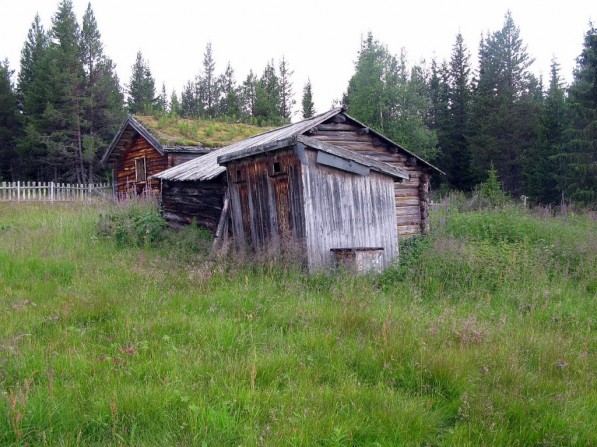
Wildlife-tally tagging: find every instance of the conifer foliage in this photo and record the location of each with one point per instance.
(69, 99)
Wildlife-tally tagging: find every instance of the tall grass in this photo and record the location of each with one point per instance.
(484, 336)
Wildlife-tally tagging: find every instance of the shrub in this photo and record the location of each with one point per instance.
(133, 225)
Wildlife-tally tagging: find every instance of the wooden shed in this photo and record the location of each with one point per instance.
(195, 190)
(135, 155)
(315, 199)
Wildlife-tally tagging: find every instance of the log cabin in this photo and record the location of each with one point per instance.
(325, 204)
(195, 190)
(135, 155)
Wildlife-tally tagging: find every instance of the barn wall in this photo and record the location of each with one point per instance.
(265, 205)
(345, 210)
(411, 196)
(183, 202)
(125, 167)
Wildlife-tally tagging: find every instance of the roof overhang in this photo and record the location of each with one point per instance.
(328, 155)
(124, 136)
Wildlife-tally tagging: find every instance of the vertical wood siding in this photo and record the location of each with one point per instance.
(266, 206)
(125, 167)
(345, 210)
(411, 196)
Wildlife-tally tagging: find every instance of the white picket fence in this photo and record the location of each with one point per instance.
(53, 192)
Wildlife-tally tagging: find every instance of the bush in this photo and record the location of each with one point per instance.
(133, 225)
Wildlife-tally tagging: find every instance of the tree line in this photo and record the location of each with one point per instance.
(541, 141)
(468, 119)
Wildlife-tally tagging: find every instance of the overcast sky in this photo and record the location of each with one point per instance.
(319, 39)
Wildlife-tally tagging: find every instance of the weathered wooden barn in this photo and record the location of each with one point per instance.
(195, 190)
(135, 155)
(315, 199)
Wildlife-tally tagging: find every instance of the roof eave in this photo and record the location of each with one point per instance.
(140, 129)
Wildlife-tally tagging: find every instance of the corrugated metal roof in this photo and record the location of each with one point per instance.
(207, 167)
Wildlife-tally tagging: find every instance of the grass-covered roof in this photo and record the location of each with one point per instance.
(175, 131)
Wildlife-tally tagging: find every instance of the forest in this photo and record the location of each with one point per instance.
(469, 116)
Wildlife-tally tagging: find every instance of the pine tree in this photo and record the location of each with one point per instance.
(141, 88)
(103, 99)
(581, 146)
(307, 102)
(10, 123)
(287, 100)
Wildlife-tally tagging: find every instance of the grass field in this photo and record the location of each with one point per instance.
(484, 336)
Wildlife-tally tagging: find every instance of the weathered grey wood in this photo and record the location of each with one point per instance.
(217, 242)
(343, 210)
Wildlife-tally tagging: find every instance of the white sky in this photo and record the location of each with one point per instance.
(319, 39)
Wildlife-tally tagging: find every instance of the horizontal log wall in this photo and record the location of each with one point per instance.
(125, 167)
(201, 202)
(411, 195)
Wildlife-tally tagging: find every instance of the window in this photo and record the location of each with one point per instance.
(140, 172)
(276, 168)
(238, 175)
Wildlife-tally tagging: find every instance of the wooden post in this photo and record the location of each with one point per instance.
(18, 191)
(221, 225)
(51, 191)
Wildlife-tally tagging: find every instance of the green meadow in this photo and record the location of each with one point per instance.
(120, 334)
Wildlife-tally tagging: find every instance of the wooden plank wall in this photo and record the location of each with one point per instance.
(266, 206)
(411, 196)
(185, 202)
(346, 210)
(125, 167)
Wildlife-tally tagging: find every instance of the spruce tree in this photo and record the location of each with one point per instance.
(506, 106)
(189, 103)
(544, 165)
(307, 102)
(161, 103)
(32, 92)
(267, 97)
(141, 89)
(207, 83)
(581, 146)
(229, 103)
(248, 96)
(456, 158)
(10, 124)
(174, 104)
